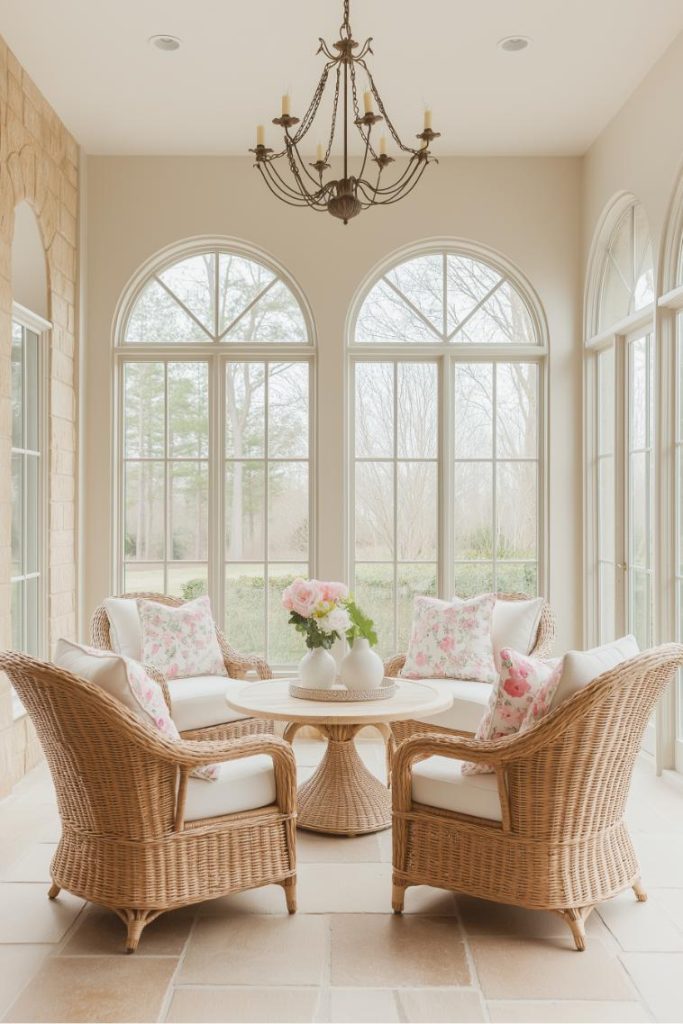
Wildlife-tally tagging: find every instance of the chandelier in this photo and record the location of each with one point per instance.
(306, 183)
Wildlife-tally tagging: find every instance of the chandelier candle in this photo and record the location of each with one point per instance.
(287, 174)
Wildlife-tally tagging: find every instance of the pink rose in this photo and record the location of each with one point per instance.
(516, 685)
(302, 596)
(446, 644)
(420, 658)
(334, 591)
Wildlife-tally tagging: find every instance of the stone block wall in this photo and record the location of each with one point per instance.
(39, 163)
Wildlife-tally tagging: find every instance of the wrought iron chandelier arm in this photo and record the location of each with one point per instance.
(278, 192)
(399, 183)
(282, 184)
(383, 111)
(388, 200)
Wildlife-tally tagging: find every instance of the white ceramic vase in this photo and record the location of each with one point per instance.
(317, 669)
(361, 668)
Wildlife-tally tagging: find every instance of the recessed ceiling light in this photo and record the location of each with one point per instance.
(165, 42)
(513, 44)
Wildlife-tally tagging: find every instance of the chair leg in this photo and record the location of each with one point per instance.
(641, 895)
(575, 919)
(53, 891)
(135, 922)
(289, 885)
(398, 893)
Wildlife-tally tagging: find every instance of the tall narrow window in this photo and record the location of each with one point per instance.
(215, 471)
(447, 363)
(27, 491)
(621, 370)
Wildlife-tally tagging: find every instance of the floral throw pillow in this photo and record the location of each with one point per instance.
(126, 681)
(452, 640)
(522, 697)
(181, 641)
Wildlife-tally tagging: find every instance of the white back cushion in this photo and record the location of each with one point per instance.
(582, 667)
(515, 625)
(125, 631)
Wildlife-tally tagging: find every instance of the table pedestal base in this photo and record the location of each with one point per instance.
(342, 797)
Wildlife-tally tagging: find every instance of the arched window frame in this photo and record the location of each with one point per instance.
(670, 334)
(446, 355)
(217, 354)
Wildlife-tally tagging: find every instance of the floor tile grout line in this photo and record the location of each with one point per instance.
(641, 995)
(469, 956)
(167, 999)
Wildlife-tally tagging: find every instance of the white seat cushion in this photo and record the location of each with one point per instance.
(199, 701)
(242, 785)
(470, 701)
(438, 782)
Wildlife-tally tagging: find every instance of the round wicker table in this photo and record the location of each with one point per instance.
(342, 797)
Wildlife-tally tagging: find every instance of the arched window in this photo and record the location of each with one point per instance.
(447, 355)
(215, 353)
(621, 378)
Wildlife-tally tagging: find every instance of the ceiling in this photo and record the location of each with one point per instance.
(120, 95)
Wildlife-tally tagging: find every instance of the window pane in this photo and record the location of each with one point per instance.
(32, 384)
(188, 410)
(157, 316)
(517, 410)
(473, 510)
(417, 511)
(639, 532)
(285, 645)
(473, 578)
(639, 398)
(374, 510)
(193, 282)
(288, 510)
(288, 410)
(374, 413)
(17, 514)
(606, 389)
(606, 514)
(374, 591)
(413, 580)
(245, 606)
(502, 319)
(144, 511)
(143, 410)
(643, 291)
(421, 281)
(143, 579)
(245, 410)
(417, 407)
(32, 513)
(516, 510)
(275, 317)
(640, 616)
(469, 282)
(516, 578)
(188, 510)
(18, 632)
(607, 593)
(473, 410)
(240, 282)
(17, 386)
(187, 581)
(244, 511)
(386, 316)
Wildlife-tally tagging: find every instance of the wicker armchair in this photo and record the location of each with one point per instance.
(122, 789)
(542, 649)
(562, 844)
(238, 666)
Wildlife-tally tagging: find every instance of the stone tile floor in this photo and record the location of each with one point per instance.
(344, 956)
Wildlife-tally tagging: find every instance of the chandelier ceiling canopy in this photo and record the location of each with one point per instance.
(300, 182)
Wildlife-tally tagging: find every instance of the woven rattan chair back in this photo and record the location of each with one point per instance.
(107, 782)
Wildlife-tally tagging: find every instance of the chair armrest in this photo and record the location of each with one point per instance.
(238, 665)
(393, 666)
(189, 754)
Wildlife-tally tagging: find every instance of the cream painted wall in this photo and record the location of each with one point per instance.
(640, 150)
(528, 209)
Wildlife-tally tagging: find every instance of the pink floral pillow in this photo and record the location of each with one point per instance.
(181, 641)
(127, 682)
(452, 640)
(522, 697)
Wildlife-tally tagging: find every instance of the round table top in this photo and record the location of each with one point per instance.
(271, 699)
